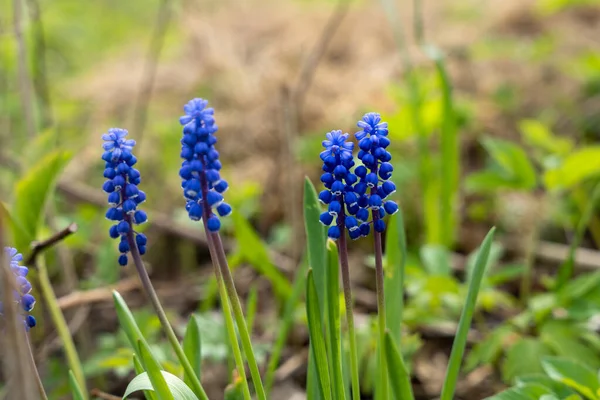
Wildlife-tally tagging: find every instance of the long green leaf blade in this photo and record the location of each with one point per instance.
(333, 321)
(192, 347)
(395, 258)
(458, 347)
(75, 389)
(397, 372)
(154, 373)
(139, 369)
(315, 328)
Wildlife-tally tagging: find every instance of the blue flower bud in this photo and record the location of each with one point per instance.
(108, 187)
(131, 190)
(372, 179)
(114, 199)
(379, 225)
(362, 215)
(337, 188)
(325, 196)
(365, 229)
(123, 227)
(390, 207)
(335, 208)
(129, 206)
(109, 173)
(113, 232)
(351, 223)
(351, 198)
(375, 202)
(388, 187)
(214, 199)
(224, 209)
(334, 232)
(213, 224)
(142, 250)
(221, 187)
(141, 197)
(195, 212)
(141, 239)
(354, 234)
(123, 260)
(123, 246)
(140, 217)
(326, 218)
(118, 182)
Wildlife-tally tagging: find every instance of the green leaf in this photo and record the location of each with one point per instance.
(235, 391)
(316, 235)
(253, 250)
(192, 347)
(577, 167)
(564, 338)
(75, 389)
(139, 369)
(524, 357)
(154, 374)
(251, 305)
(573, 374)
(333, 321)
(538, 135)
(126, 321)
(31, 194)
(399, 377)
(525, 392)
(560, 389)
(436, 259)
(179, 390)
(460, 341)
(315, 328)
(489, 181)
(490, 349)
(395, 263)
(512, 161)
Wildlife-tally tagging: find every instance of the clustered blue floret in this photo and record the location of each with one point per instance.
(22, 295)
(350, 195)
(339, 195)
(376, 170)
(123, 193)
(202, 185)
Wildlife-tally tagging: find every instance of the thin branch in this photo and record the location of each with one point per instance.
(39, 247)
(97, 295)
(311, 63)
(102, 395)
(24, 79)
(163, 18)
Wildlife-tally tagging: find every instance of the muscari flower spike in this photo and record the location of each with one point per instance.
(374, 185)
(202, 185)
(339, 194)
(22, 296)
(123, 193)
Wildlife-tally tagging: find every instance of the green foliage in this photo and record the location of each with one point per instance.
(192, 347)
(175, 385)
(32, 192)
(318, 347)
(154, 374)
(251, 249)
(75, 389)
(399, 376)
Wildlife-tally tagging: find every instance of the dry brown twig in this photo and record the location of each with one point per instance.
(39, 247)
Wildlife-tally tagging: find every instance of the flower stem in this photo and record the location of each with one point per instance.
(238, 313)
(344, 267)
(60, 324)
(379, 283)
(162, 316)
(237, 353)
(38, 379)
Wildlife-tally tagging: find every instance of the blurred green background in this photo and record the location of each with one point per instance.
(494, 115)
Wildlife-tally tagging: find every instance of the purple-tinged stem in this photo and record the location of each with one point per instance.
(345, 269)
(38, 379)
(214, 239)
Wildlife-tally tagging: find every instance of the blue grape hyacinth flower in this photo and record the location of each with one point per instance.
(374, 185)
(124, 197)
(339, 193)
(22, 295)
(202, 185)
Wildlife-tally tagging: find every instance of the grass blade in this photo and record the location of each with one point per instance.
(154, 372)
(139, 369)
(458, 347)
(333, 321)
(395, 258)
(319, 351)
(251, 305)
(192, 347)
(75, 389)
(397, 372)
